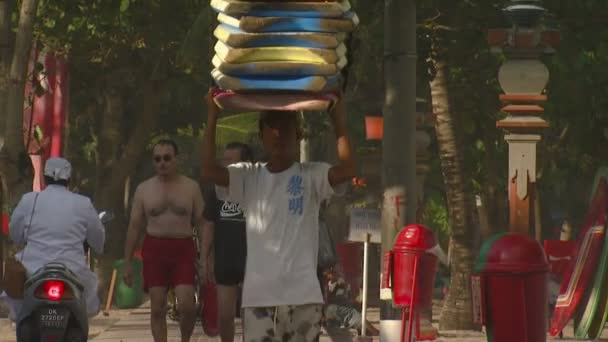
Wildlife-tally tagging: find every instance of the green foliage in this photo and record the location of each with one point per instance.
(124, 5)
(364, 73)
(242, 127)
(197, 45)
(435, 216)
(576, 106)
(576, 109)
(456, 33)
(121, 44)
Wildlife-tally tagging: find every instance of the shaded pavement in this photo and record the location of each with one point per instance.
(135, 327)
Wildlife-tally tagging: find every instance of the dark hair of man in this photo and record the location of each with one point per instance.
(244, 149)
(50, 181)
(167, 142)
(271, 115)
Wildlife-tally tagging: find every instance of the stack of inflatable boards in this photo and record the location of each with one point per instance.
(280, 55)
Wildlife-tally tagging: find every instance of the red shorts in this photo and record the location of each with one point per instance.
(168, 262)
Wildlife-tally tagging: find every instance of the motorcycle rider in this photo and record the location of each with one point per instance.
(61, 222)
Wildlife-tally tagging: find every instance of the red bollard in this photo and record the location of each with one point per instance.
(411, 269)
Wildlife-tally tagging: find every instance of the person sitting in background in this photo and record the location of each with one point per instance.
(339, 309)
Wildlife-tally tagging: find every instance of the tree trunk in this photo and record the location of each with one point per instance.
(457, 309)
(6, 11)
(15, 165)
(485, 228)
(18, 75)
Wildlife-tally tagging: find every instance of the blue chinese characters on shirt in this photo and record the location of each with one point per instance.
(295, 190)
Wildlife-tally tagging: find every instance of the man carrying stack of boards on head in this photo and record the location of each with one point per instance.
(282, 298)
(279, 58)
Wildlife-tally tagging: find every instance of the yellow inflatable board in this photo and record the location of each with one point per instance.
(285, 24)
(278, 68)
(279, 53)
(282, 9)
(237, 38)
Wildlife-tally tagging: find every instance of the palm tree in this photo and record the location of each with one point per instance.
(457, 309)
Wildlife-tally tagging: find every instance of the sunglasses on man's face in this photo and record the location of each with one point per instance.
(165, 158)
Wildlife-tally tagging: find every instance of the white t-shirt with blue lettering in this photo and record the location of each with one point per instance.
(282, 215)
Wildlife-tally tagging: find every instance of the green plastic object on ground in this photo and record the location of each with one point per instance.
(128, 297)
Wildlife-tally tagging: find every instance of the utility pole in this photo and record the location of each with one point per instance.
(399, 140)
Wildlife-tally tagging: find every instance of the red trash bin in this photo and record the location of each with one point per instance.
(413, 268)
(510, 289)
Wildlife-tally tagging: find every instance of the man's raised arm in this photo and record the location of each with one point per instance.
(211, 169)
(345, 169)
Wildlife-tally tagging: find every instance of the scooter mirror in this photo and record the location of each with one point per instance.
(106, 216)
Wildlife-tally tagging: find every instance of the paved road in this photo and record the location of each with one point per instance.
(135, 328)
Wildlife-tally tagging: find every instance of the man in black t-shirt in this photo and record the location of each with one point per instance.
(225, 244)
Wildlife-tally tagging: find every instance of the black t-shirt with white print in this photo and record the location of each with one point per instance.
(229, 239)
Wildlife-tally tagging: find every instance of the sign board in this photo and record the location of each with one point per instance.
(365, 221)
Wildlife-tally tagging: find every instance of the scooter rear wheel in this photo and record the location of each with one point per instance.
(25, 331)
(75, 335)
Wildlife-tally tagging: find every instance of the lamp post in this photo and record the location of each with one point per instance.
(523, 79)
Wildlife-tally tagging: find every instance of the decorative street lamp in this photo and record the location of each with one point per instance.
(523, 79)
(524, 13)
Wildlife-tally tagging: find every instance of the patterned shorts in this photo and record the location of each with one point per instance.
(291, 323)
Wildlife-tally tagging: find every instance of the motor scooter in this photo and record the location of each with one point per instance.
(54, 308)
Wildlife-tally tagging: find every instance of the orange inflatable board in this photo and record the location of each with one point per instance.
(239, 102)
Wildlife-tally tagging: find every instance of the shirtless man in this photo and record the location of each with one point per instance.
(168, 205)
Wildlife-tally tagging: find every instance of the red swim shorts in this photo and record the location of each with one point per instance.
(168, 262)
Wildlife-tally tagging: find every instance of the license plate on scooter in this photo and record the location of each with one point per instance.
(54, 318)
